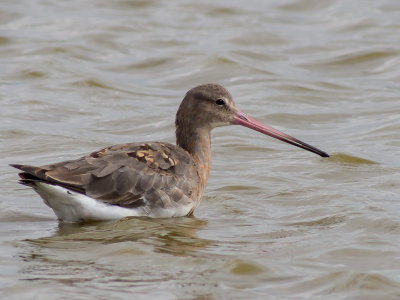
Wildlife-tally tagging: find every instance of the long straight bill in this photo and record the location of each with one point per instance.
(244, 120)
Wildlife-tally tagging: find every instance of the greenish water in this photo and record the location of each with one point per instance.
(276, 222)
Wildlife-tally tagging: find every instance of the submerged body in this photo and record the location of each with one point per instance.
(146, 179)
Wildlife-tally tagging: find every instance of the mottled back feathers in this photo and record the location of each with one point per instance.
(128, 175)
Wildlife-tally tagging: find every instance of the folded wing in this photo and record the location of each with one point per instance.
(127, 175)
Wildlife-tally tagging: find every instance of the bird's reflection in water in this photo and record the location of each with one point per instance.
(128, 254)
(176, 236)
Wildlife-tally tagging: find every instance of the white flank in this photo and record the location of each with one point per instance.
(70, 206)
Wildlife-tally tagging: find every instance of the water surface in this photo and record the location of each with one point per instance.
(276, 222)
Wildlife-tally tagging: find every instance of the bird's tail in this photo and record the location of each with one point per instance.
(27, 178)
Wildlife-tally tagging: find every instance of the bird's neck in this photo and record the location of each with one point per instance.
(196, 141)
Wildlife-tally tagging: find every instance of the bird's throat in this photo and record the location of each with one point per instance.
(197, 142)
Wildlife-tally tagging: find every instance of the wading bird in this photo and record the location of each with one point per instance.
(153, 179)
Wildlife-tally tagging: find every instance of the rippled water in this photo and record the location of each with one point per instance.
(276, 222)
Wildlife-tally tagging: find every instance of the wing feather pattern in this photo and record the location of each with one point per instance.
(128, 175)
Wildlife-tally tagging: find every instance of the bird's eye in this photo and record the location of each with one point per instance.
(220, 102)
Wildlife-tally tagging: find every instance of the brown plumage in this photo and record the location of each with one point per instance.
(153, 179)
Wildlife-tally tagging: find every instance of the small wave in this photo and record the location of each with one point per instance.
(347, 282)
(350, 159)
